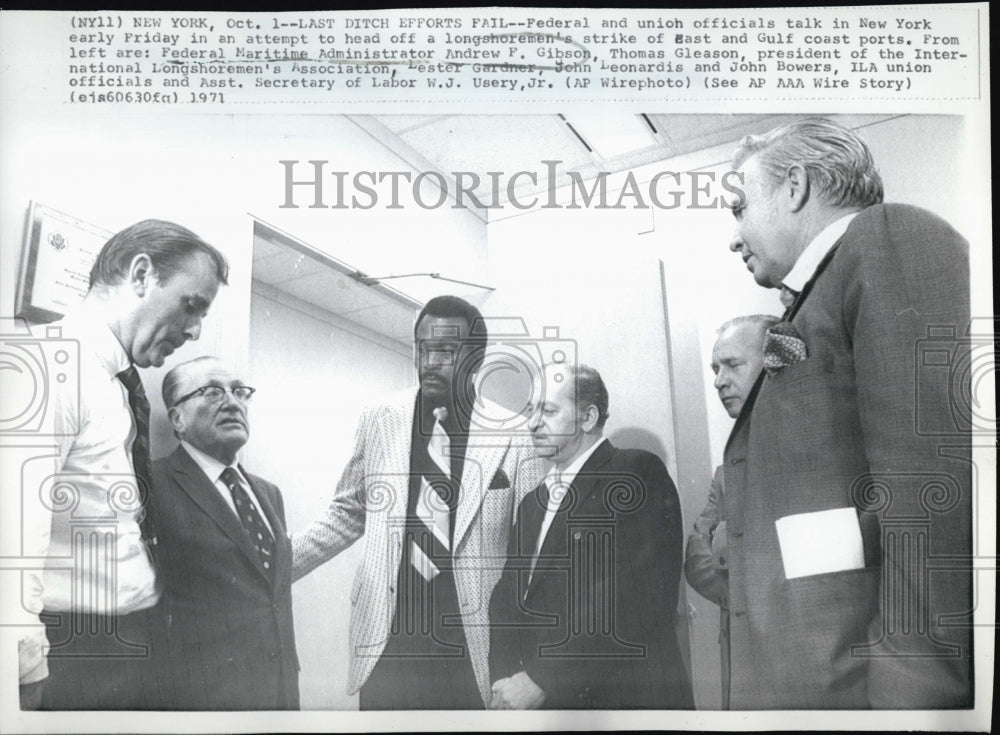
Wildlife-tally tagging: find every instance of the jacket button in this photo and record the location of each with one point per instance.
(277, 607)
(272, 657)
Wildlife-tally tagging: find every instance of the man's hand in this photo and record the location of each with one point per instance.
(517, 692)
(31, 695)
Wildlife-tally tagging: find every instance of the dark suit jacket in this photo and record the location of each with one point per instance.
(706, 566)
(595, 628)
(230, 643)
(865, 421)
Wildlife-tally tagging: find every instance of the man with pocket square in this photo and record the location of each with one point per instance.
(432, 485)
(839, 500)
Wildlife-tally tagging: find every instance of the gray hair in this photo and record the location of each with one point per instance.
(761, 321)
(837, 162)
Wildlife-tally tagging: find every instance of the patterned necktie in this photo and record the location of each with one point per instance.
(435, 502)
(141, 463)
(788, 296)
(253, 524)
(782, 347)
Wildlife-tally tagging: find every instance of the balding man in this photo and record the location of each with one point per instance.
(584, 614)
(737, 359)
(225, 558)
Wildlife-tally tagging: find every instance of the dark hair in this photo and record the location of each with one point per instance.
(836, 160)
(168, 245)
(447, 307)
(590, 391)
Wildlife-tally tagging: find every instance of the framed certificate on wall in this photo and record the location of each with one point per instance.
(56, 258)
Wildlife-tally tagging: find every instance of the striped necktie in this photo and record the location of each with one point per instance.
(141, 462)
(435, 502)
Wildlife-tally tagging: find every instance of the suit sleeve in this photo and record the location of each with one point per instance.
(643, 580)
(702, 566)
(913, 274)
(343, 522)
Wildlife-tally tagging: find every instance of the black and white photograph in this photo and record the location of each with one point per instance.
(614, 411)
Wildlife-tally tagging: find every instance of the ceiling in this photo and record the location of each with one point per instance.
(510, 143)
(480, 144)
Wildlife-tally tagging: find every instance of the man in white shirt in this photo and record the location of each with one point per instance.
(848, 471)
(225, 561)
(584, 614)
(150, 287)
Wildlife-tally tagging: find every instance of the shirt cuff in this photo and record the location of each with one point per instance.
(31, 651)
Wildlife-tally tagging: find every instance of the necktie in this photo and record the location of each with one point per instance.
(788, 296)
(253, 524)
(141, 463)
(545, 495)
(782, 347)
(436, 499)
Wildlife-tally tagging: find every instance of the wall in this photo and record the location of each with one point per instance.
(207, 172)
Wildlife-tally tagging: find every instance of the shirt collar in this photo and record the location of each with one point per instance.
(814, 253)
(565, 477)
(212, 467)
(95, 334)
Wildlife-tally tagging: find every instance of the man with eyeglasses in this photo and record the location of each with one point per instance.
(224, 555)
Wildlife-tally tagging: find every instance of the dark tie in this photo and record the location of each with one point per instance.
(141, 464)
(253, 524)
(782, 347)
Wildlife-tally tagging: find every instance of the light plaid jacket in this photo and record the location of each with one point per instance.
(371, 499)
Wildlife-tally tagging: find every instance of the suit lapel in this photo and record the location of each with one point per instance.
(193, 481)
(585, 485)
(789, 315)
(282, 549)
(482, 458)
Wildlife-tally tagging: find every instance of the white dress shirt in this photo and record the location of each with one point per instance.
(558, 482)
(82, 515)
(814, 253)
(213, 470)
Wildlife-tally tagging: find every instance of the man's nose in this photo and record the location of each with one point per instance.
(193, 330)
(534, 421)
(736, 244)
(719, 380)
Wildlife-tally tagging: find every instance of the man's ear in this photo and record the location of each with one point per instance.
(141, 274)
(590, 416)
(176, 417)
(797, 186)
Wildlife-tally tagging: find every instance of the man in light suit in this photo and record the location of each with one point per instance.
(432, 485)
(585, 613)
(848, 473)
(737, 359)
(223, 554)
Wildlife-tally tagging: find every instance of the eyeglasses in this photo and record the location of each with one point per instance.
(215, 393)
